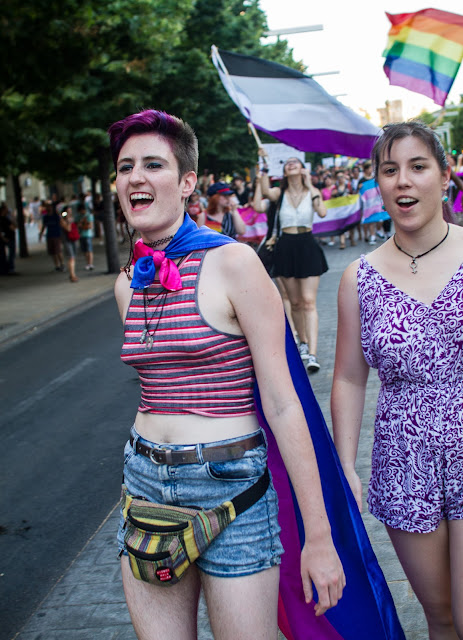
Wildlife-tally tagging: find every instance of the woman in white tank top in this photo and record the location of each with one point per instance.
(299, 260)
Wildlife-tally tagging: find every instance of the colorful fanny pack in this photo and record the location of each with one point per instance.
(163, 540)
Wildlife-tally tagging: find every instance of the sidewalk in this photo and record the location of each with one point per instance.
(40, 296)
(88, 602)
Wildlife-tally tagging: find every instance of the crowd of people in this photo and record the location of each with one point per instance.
(193, 331)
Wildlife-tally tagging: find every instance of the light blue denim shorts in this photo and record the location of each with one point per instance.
(251, 543)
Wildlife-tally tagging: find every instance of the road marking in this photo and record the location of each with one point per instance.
(26, 404)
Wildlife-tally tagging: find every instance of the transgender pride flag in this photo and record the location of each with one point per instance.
(372, 203)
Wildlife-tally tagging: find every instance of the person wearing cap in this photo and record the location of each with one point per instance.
(299, 260)
(222, 211)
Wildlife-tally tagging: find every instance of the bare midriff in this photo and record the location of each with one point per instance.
(192, 428)
(296, 230)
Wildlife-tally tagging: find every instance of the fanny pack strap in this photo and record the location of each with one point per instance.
(241, 502)
(250, 496)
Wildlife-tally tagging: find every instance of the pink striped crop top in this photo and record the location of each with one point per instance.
(190, 367)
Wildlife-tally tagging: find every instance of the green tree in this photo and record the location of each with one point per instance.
(79, 65)
(115, 52)
(193, 89)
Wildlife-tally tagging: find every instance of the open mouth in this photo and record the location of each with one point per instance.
(406, 203)
(140, 200)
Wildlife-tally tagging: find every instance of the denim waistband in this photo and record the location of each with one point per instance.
(199, 446)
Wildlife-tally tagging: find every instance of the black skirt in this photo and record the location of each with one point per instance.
(299, 256)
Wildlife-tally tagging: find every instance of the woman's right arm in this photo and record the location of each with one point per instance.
(258, 201)
(272, 193)
(349, 380)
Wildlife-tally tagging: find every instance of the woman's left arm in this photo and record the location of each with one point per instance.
(317, 202)
(259, 311)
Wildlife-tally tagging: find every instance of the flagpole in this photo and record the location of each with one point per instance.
(252, 129)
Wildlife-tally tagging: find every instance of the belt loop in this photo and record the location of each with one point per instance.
(199, 453)
(136, 437)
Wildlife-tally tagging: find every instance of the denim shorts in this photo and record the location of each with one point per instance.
(70, 246)
(251, 543)
(86, 244)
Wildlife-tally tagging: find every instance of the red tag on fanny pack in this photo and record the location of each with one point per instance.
(164, 574)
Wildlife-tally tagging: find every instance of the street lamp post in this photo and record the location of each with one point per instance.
(292, 30)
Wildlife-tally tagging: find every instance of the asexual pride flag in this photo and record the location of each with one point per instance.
(292, 107)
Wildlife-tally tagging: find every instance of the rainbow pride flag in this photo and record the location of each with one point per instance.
(424, 52)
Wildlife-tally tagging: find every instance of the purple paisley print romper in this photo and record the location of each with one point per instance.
(417, 458)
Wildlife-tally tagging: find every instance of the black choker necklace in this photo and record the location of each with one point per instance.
(413, 265)
(156, 243)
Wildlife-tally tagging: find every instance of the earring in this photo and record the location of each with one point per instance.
(445, 198)
(383, 207)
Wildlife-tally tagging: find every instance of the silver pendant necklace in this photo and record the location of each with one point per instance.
(413, 264)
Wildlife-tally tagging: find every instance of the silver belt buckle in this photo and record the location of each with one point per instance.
(159, 452)
(167, 454)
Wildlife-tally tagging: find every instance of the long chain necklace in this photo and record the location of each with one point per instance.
(156, 243)
(147, 335)
(413, 265)
(297, 198)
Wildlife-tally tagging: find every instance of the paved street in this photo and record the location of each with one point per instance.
(87, 602)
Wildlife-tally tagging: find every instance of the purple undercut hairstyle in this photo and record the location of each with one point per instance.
(178, 133)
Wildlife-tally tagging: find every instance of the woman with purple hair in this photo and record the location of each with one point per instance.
(202, 321)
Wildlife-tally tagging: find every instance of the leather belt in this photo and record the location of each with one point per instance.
(189, 454)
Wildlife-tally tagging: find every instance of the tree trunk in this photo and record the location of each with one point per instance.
(23, 250)
(97, 225)
(109, 220)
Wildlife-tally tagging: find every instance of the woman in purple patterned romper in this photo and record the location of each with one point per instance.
(401, 311)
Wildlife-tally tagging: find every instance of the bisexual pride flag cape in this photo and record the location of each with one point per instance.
(366, 610)
(424, 51)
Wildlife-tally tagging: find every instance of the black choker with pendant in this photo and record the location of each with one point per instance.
(413, 265)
